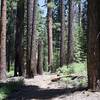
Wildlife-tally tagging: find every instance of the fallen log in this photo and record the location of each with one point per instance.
(71, 76)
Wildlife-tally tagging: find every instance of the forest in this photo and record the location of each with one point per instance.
(49, 50)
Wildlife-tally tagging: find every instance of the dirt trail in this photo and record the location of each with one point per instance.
(44, 82)
(41, 88)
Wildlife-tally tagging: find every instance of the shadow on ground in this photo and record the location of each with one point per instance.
(34, 92)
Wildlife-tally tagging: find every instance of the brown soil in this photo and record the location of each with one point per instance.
(42, 88)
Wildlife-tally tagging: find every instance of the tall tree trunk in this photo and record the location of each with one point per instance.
(25, 39)
(79, 14)
(10, 36)
(19, 39)
(8, 57)
(31, 46)
(33, 42)
(70, 33)
(29, 34)
(0, 33)
(93, 63)
(49, 30)
(40, 58)
(3, 41)
(62, 52)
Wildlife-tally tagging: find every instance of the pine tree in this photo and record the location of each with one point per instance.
(93, 63)
(33, 42)
(19, 39)
(3, 41)
(62, 48)
(40, 57)
(49, 31)
(70, 33)
(31, 38)
(29, 34)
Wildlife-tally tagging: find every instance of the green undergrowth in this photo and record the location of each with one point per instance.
(75, 69)
(11, 72)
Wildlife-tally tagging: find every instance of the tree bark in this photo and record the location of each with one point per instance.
(70, 33)
(50, 37)
(3, 42)
(93, 62)
(62, 51)
(33, 42)
(19, 39)
(40, 58)
(29, 34)
(10, 41)
(79, 15)
(0, 37)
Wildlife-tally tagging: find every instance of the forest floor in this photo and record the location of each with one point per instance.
(42, 88)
